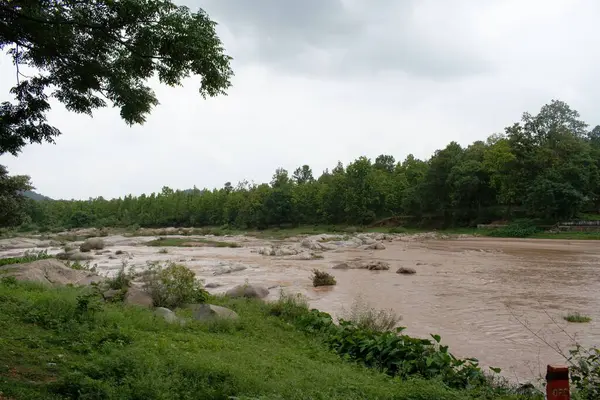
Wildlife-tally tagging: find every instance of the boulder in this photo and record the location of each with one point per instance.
(375, 246)
(92, 244)
(167, 315)
(406, 271)
(248, 291)
(138, 297)
(370, 265)
(342, 266)
(51, 272)
(376, 266)
(75, 256)
(227, 269)
(212, 285)
(112, 294)
(209, 312)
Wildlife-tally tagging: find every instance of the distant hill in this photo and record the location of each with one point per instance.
(35, 196)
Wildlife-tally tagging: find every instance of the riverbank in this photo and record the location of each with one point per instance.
(56, 346)
(289, 232)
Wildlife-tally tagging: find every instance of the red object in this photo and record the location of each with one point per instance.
(557, 383)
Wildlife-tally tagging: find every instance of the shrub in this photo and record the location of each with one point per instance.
(517, 229)
(393, 353)
(29, 256)
(398, 229)
(321, 278)
(577, 318)
(122, 280)
(173, 286)
(366, 317)
(585, 372)
(289, 306)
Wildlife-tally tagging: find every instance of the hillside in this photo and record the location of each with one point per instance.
(35, 196)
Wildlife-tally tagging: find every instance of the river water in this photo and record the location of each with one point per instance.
(499, 300)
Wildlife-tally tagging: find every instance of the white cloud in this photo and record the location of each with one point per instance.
(287, 109)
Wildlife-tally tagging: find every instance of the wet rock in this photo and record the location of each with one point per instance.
(375, 246)
(92, 244)
(342, 266)
(305, 256)
(376, 266)
(75, 255)
(212, 285)
(228, 269)
(315, 245)
(111, 257)
(209, 312)
(138, 297)
(406, 271)
(120, 252)
(248, 291)
(23, 243)
(167, 315)
(51, 272)
(279, 251)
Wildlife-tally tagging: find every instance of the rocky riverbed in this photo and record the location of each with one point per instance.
(484, 296)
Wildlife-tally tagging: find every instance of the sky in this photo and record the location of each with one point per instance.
(322, 81)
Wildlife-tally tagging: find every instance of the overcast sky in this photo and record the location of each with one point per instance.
(319, 81)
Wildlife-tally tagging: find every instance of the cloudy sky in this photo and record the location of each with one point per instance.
(319, 81)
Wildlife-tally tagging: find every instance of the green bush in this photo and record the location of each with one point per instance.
(122, 280)
(173, 286)
(585, 372)
(29, 256)
(517, 229)
(321, 278)
(393, 353)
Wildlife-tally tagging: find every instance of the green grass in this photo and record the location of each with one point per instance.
(567, 235)
(577, 318)
(58, 343)
(27, 258)
(191, 242)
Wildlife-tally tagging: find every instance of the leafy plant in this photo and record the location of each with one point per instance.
(516, 229)
(394, 353)
(585, 371)
(173, 286)
(322, 278)
(577, 318)
(29, 256)
(122, 280)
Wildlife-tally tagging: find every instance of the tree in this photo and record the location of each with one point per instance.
(385, 163)
(87, 54)
(12, 201)
(303, 175)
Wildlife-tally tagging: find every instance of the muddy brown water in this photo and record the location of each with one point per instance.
(485, 297)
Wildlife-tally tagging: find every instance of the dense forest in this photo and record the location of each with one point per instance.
(544, 167)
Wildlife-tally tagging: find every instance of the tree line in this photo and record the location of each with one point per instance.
(544, 167)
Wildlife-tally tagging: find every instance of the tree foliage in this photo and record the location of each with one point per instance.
(544, 167)
(88, 54)
(12, 201)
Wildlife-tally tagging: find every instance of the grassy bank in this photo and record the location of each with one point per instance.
(58, 343)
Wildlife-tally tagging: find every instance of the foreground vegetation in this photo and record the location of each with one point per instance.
(62, 343)
(28, 257)
(545, 167)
